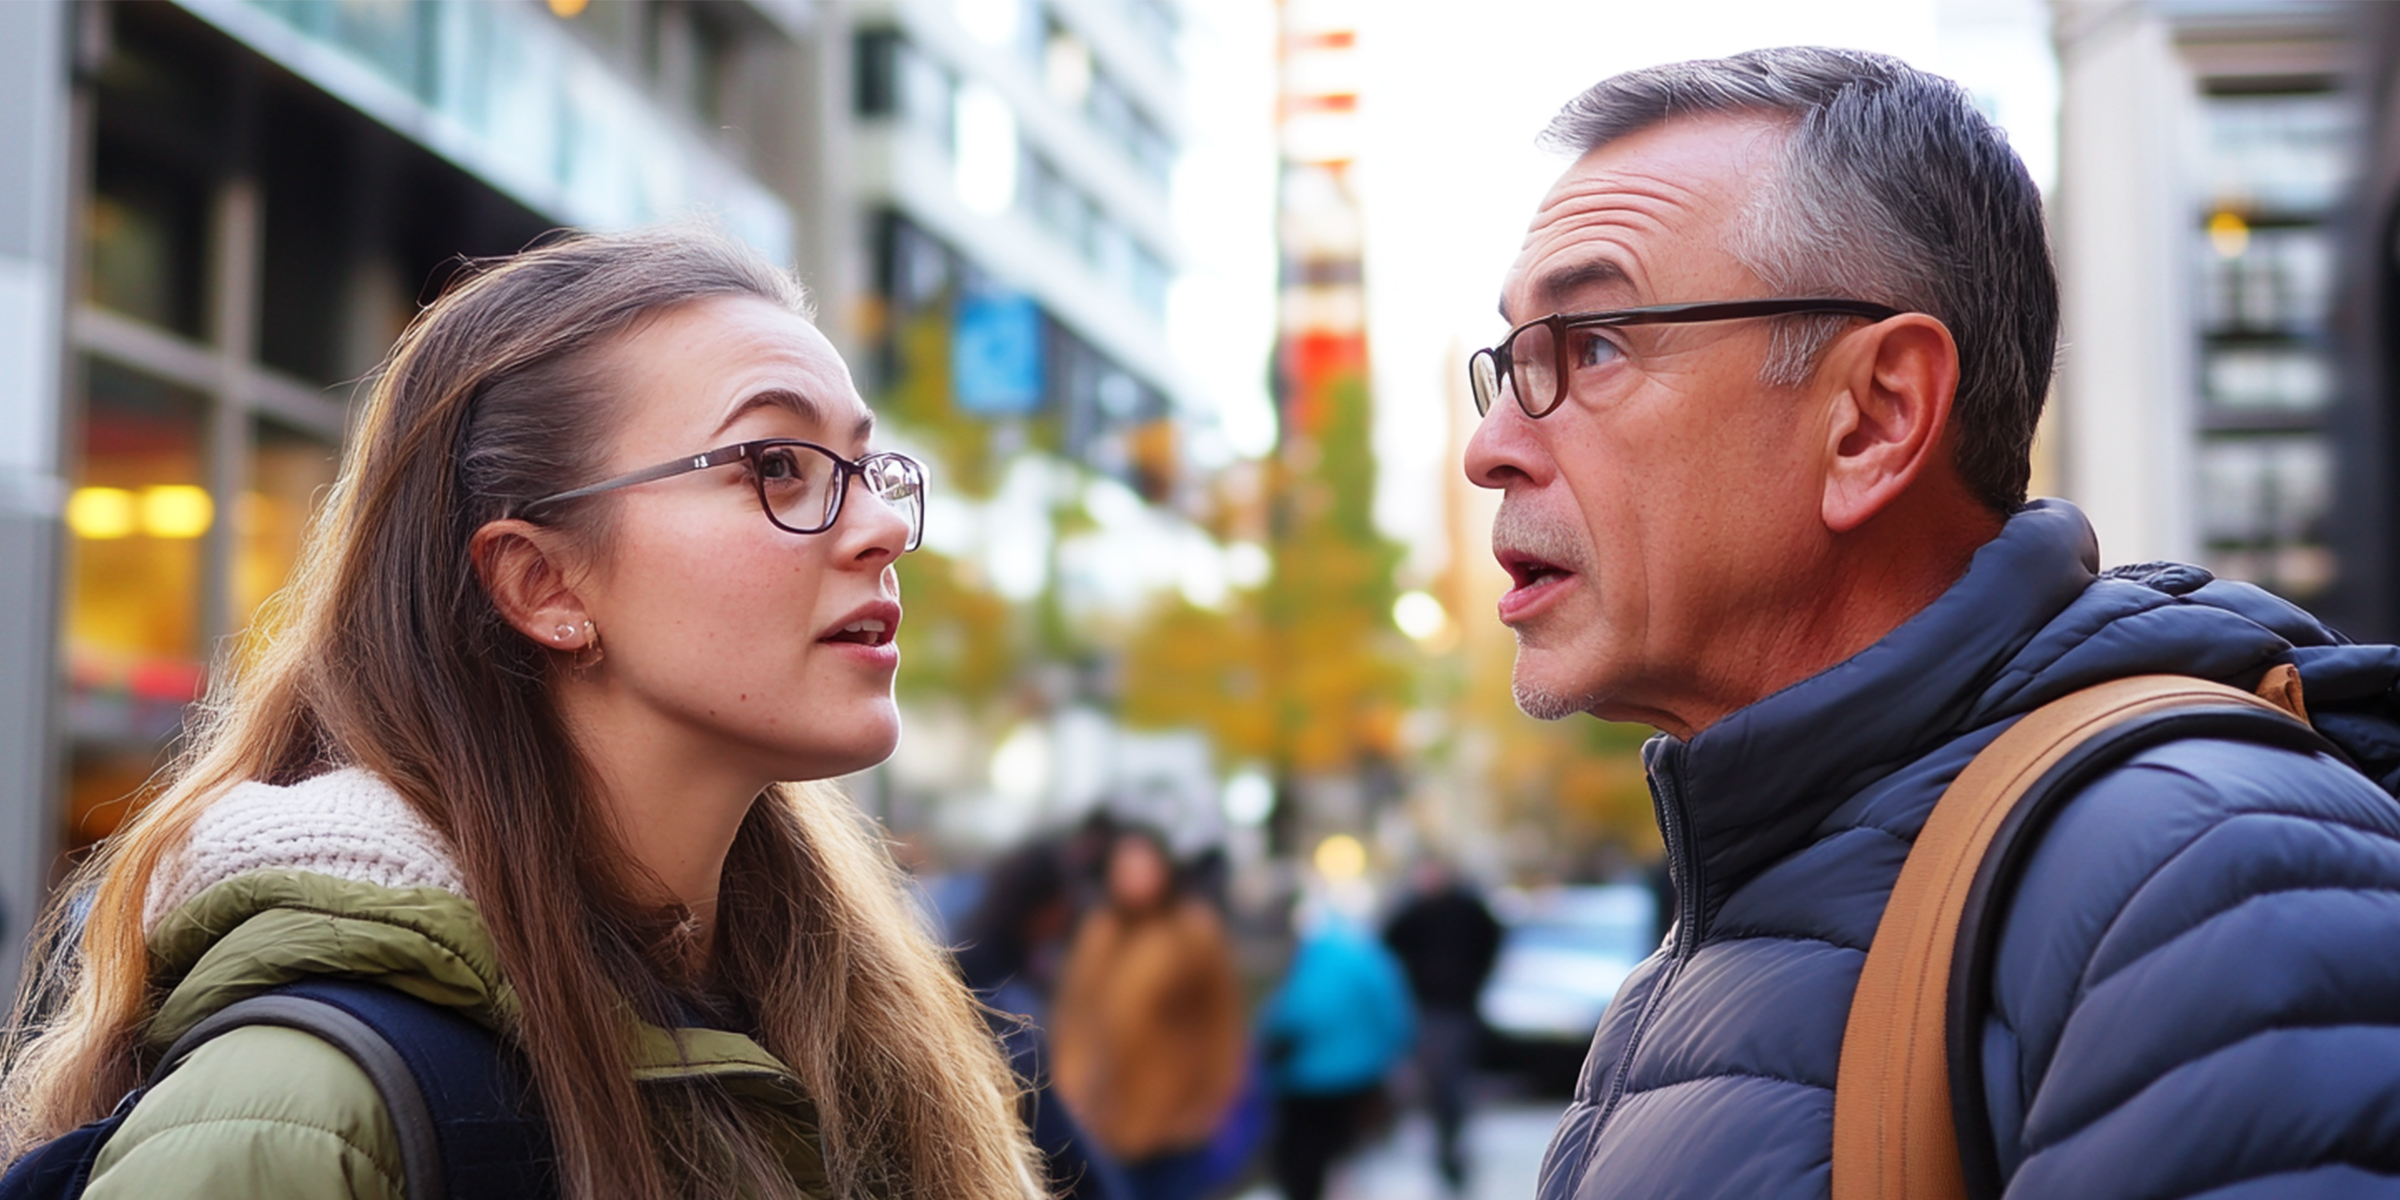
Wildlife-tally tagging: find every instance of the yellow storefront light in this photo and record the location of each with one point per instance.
(2228, 233)
(569, 8)
(101, 512)
(177, 510)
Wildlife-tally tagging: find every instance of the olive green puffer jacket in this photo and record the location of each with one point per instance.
(275, 1114)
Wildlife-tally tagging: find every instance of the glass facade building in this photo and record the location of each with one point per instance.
(2217, 401)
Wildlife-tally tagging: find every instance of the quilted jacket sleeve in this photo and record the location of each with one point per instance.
(2198, 986)
(261, 1112)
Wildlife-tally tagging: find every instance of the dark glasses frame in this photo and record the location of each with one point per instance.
(909, 499)
(1486, 368)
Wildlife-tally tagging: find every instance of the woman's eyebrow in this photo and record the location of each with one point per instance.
(798, 405)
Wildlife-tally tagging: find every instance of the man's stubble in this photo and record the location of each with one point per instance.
(1526, 530)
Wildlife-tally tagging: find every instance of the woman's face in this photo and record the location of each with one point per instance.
(1138, 874)
(771, 648)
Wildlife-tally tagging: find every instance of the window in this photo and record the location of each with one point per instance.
(290, 473)
(144, 233)
(1151, 278)
(136, 519)
(1155, 22)
(2275, 165)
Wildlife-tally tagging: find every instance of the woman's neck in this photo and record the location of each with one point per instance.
(675, 802)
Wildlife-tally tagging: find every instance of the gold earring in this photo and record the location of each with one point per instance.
(590, 653)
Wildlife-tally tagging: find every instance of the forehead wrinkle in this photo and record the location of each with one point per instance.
(1623, 208)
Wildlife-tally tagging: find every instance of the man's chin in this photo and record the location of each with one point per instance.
(1544, 703)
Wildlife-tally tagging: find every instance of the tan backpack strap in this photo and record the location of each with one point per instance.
(2280, 686)
(1894, 1136)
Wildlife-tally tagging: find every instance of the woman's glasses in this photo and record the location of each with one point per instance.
(801, 485)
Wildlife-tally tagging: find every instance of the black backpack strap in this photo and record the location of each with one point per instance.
(494, 1144)
(2004, 864)
(422, 1177)
(459, 1101)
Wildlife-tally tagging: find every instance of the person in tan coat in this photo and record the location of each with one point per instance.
(1147, 1031)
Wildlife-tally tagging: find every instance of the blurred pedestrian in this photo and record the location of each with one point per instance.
(1446, 940)
(1008, 952)
(1332, 1034)
(1147, 1032)
(609, 561)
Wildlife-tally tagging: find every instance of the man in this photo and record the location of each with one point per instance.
(1446, 940)
(1795, 540)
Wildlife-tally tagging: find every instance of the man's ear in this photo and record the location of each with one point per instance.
(1889, 387)
(523, 568)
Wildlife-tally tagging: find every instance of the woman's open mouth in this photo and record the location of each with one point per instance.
(868, 630)
(864, 633)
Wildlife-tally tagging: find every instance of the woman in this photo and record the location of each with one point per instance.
(607, 562)
(1337, 1026)
(1146, 1035)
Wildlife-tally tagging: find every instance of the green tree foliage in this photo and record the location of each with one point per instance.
(1305, 673)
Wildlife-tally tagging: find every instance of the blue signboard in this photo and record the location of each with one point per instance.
(996, 353)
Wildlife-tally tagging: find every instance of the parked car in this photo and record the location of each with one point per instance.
(1563, 954)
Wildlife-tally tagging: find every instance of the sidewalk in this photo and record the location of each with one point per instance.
(1505, 1141)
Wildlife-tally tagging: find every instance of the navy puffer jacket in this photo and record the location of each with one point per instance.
(2197, 988)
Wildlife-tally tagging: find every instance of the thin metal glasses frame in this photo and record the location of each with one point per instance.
(911, 504)
(1486, 368)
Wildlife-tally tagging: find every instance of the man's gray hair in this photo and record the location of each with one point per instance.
(1891, 188)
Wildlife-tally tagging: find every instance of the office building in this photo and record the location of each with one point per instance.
(2212, 405)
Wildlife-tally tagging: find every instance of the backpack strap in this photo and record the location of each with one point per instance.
(463, 1112)
(492, 1141)
(420, 1151)
(1897, 1124)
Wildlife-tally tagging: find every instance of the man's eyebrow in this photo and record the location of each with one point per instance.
(798, 405)
(1575, 277)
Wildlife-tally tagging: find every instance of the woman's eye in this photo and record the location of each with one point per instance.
(1587, 348)
(778, 466)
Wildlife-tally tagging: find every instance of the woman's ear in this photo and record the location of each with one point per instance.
(523, 567)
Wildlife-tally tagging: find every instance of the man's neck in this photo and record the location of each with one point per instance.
(1869, 582)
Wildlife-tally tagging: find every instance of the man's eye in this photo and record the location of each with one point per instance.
(1587, 348)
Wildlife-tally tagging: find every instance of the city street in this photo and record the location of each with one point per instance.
(1505, 1141)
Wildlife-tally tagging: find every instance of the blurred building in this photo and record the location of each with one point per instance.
(2223, 395)
(1012, 160)
(218, 214)
(1011, 171)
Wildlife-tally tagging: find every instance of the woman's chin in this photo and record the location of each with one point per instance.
(830, 759)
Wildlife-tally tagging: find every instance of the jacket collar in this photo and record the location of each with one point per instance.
(286, 915)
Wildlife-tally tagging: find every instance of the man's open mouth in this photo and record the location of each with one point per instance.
(1528, 571)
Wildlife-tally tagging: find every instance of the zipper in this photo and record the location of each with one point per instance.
(1683, 869)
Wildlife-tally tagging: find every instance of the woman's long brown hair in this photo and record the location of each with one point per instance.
(391, 656)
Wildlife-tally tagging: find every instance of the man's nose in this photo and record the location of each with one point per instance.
(1503, 449)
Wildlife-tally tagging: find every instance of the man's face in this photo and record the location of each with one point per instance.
(1656, 520)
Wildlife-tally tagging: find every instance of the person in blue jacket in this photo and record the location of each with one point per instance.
(1783, 332)
(1330, 1034)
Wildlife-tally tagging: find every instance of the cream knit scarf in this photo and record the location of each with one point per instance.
(348, 824)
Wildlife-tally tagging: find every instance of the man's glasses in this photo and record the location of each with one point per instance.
(801, 485)
(1537, 356)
